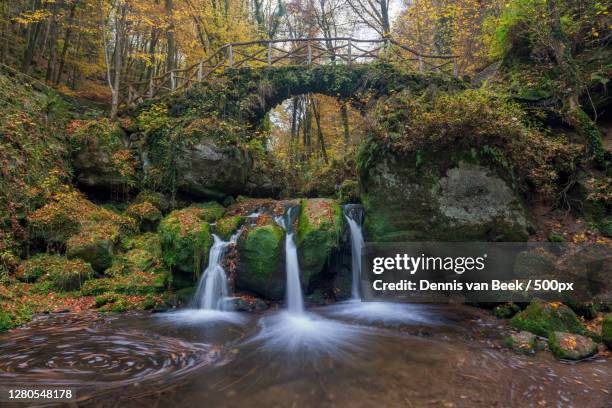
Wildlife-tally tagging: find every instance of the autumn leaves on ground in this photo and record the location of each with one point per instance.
(110, 207)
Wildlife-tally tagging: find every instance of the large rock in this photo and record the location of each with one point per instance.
(204, 169)
(571, 346)
(103, 161)
(185, 239)
(320, 225)
(95, 244)
(543, 318)
(261, 267)
(448, 198)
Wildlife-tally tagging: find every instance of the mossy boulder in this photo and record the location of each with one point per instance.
(571, 346)
(543, 318)
(425, 196)
(95, 244)
(146, 215)
(227, 226)
(102, 160)
(320, 225)
(606, 331)
(56, 272)
(210, 211)
(261, 262)
(521, 342)
(186, 239)
(157, 199)
(533, 263)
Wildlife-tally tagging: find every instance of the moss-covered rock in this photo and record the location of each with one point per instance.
(320, 225)
(210, 211)
(606, 331)
(261, 263)
(186, 239)
(101, 160)
(521, 342)
(95, 244)
(543, 318)
(157, 199)
(227, 226)
(146, 215)
(57, 272)
(571, 346)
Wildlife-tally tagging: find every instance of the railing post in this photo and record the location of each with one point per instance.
(172, 81)
(421, 64)
(455, 68)
(230, 55)
(348, 53)
(151, 90)
(200, 71)
(270, 54)
(309, 61)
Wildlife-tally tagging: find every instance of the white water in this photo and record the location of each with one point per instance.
(212, 292)
(357, 244)
(295, 300)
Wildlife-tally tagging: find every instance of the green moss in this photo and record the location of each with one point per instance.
(55, 272)
(6, 321)
(606, 331)
(261, 253)
(542, 318)
(95, 244)
(571, 346)
(185, 239)
(506, 311)
(157, 199)
(556, 237)
(146, 215)
(226, 226)
(210, 211)
(320, 224)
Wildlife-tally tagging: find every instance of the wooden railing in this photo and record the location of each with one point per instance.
(304, 51)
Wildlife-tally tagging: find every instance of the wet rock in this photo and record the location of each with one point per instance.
(522, 342)
(542, 318)
(320, 225)
(247, 304)
(261, 261)
(451, 198)
(606, 331)
(227, 226)
(571, 346)
(157, 199)
(316, 298)
(186, 239)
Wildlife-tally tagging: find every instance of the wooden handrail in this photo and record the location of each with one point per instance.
(308, 51)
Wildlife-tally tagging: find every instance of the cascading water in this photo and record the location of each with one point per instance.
(295, 300)
(212, 292)
(353, 217)
(375, 312)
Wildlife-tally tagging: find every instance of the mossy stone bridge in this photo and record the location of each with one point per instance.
(305, 53)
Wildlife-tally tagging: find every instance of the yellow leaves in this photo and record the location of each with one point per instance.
(568, 342)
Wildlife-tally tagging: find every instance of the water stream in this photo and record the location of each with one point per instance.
(295, 299)
(212, 292)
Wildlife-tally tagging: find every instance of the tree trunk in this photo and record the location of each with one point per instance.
(32, 35)
(171, 51)
(67, 38)
(320, 137)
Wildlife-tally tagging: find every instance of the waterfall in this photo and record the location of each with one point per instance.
(212, 290)
(295, 301)
(357, 244)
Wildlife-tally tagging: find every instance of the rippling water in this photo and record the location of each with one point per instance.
(327, 360)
